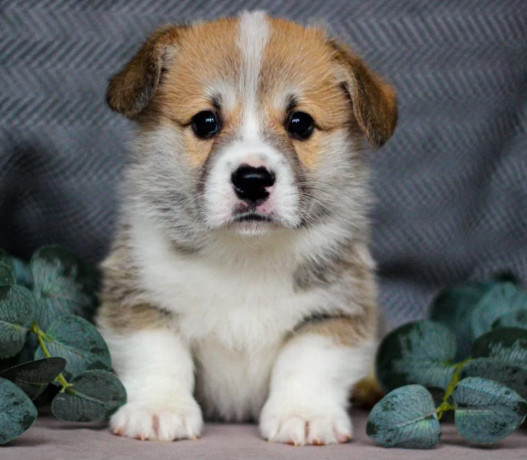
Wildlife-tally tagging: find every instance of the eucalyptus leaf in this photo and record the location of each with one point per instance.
(94, 396)
(511, 375)
(63, 285)
(512, 319)
(33, 377)
(508, 344)
(7, 275)
(22, 271)
(500, 300)
(23, 356)
(17, 412)
(422, 352)
(487, 411)
(405, 417)
(78, 342)
(453, 308)
(17, 305)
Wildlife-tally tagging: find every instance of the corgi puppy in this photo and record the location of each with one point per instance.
(240, 285)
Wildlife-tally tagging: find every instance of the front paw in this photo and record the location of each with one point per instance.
(301, 424)
(158, 421)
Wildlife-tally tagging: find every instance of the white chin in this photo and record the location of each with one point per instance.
(253, 228)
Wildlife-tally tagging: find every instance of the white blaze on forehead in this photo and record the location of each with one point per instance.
(254, 35)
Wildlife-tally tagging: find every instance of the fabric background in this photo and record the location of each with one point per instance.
(451, 185)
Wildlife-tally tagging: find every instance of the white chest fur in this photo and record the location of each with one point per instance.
(233, 384)
(234, 307)
(243, 297)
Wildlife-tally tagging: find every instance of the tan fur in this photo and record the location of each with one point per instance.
(303, 68)
(346, 331)
(367, 392)
(362, 326)
(374, 101)
(208, 54)
(124, 308)
(312, 68)
(131, 90)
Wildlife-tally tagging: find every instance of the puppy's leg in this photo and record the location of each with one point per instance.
(156, 369)
(311, 381)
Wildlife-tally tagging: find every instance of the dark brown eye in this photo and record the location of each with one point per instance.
(300, 125)
(205, 124)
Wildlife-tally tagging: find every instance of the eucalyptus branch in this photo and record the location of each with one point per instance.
(42, 336)
(445, 405)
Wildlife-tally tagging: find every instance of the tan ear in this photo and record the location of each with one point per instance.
(374, 101)
(131, 90)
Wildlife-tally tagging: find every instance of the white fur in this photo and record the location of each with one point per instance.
(233, 384)
(254, 34)
(220, 198)
(156, 369)
(226, 90)
(221, 201)
(309, 391)
(236, 290)
(234, 324)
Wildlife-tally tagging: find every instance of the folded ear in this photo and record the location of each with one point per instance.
(131, 90)
(374, 101)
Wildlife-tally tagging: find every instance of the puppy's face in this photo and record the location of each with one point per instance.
(250, 124)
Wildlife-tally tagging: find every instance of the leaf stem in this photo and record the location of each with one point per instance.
(445, 405)
(41, 335)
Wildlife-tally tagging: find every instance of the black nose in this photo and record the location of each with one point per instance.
(250, 183)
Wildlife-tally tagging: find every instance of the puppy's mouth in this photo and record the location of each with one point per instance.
(252, 216)
(253, 223)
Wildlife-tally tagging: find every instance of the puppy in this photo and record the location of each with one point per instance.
(240, 286)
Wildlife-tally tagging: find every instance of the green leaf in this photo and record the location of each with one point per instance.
(17, 412)
(23, 356)
(406, 417)
(63, 285)
(7, 275)
(94, 396)
(422, 352)
(17, 306)
(453, 308)
(487, 411)
(507, 344)
(22, 272)
(33, 377)
(510, 375)
(78, 342)
(512, 319)
(501, 299)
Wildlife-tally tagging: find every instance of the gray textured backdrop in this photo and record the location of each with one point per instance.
(451, 184)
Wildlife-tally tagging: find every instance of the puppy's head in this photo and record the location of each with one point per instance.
(250, 124)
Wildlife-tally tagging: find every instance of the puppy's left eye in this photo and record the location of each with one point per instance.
(300, 125)
(205, 124)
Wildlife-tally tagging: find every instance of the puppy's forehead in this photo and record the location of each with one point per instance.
(247, 59)
(296, 56)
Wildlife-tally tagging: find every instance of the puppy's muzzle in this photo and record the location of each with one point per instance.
(251, 184)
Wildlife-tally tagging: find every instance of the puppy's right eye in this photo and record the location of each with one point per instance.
(205, 124)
